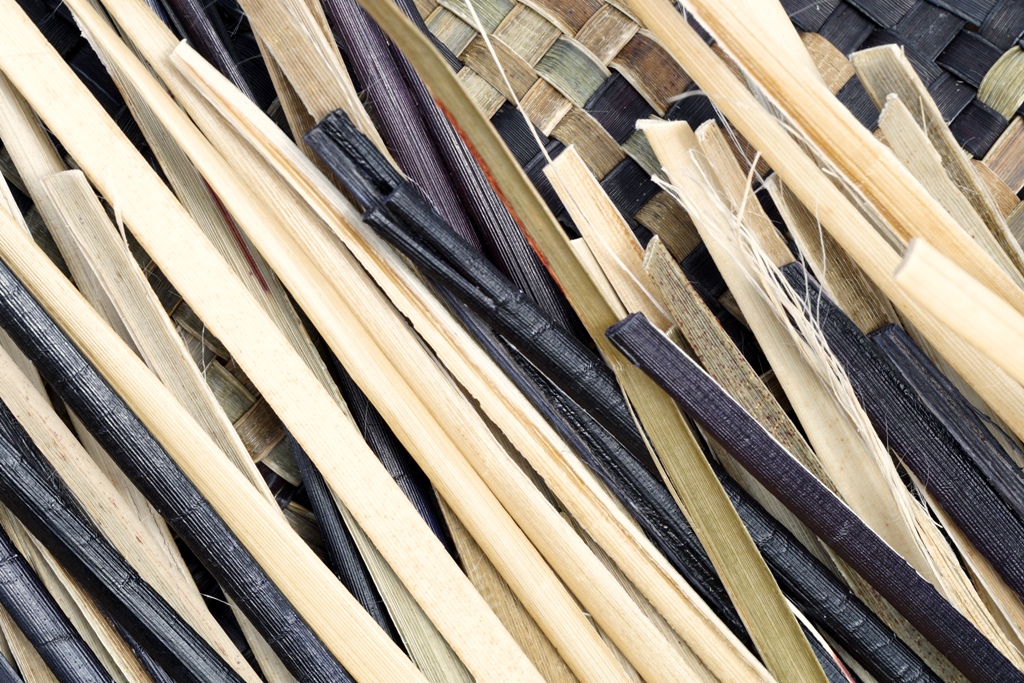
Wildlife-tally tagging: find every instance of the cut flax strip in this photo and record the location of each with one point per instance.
(833, 267)
(158, 343)
(717, 649)
(910, 143)
(309, 57)
(606, 233)
(976, 313)
(835, 523)
(381, 363)
(723, 360)
(837, 439)
(35, 157)
(875, 491)
(814, 188)
(751, 586)
(148, 324)
(152, 202)
(83, 612)
(31, 665)
(152, 556)
(609, 604)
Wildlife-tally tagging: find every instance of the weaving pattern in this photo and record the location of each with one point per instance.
(585, 71)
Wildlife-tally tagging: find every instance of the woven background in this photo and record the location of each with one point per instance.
(585, 70)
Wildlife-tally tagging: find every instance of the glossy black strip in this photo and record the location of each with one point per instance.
(123, 436)
(41, 620)
(403, 217)
(345, 560)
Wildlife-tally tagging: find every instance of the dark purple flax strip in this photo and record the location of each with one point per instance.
(395, 111)
(813, 503)
(940, 461)
(503, 240)
(203, 35)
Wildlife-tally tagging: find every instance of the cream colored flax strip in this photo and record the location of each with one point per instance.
(513, 555)
(752, 588)
(979, 315)
(870, 167)
(164, 228)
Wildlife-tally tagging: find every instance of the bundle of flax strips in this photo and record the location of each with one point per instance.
(501, 341)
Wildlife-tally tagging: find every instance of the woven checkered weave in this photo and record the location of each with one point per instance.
(583, 71)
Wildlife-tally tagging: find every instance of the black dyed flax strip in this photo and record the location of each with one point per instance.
(342, 553)
(396, 460)
(395, 110)
(402, 216)
(811, 501)
(155, 671)
(807, 583)
(9, 675)
(41, 620)
(168, 489)
(94, 563)
(961, 419)
(503, 240)
(918, 437)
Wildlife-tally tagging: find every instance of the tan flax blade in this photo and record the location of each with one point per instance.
(833, 267)
(148, 324)
(30, 664)
(911, 145)
(969, 308)
(841, 139)
(159, 344)
(150, 554)
(575, 564)
(505, 603)
(751, 586)
(297, 396)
